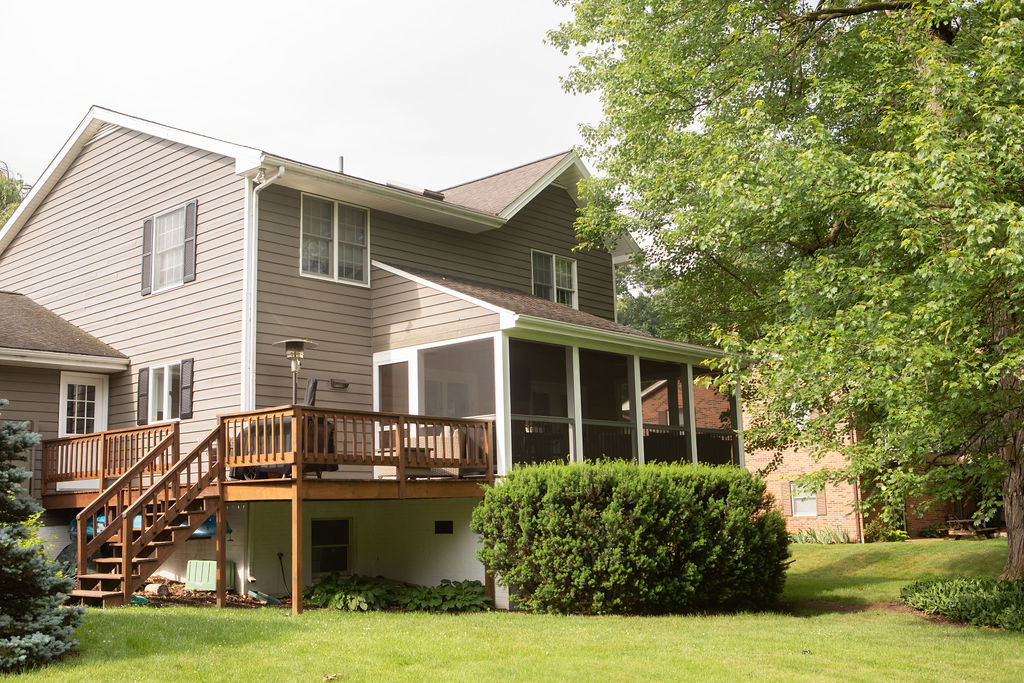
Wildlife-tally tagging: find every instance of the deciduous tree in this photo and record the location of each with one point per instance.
(843, 181)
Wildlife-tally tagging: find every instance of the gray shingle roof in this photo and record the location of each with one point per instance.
(26, 325)
(494, 192)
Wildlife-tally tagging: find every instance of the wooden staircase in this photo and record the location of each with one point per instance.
(153, 509)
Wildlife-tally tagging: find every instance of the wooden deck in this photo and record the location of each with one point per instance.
(289, 453)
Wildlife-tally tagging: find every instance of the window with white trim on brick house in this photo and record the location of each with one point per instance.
(169, 248)
(798, 501)
(164, 392)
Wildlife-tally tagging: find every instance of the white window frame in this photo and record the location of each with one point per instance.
(365, 282)
(554, 277)
(348, 546)
(150, 409)
(102, 383)
(152, 268)
(805, 498)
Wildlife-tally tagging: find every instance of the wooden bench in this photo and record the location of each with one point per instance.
(960, 528)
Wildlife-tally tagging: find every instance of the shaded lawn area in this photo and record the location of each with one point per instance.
(875, 572)
(208, 644)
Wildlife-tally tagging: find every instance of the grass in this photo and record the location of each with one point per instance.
(206, 644)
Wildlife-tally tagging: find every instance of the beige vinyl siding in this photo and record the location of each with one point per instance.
(502, 256)
(34, 395)
(335, 315)
(80, 255)
(406, 313)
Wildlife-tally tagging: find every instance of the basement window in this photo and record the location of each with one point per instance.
(330, 545)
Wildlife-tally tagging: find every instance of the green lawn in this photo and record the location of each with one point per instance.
(209, 644)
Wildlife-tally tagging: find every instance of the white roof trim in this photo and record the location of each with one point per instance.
(507, 316)
(61, 360)
(691, 352)
(570, 165)
(97, 118)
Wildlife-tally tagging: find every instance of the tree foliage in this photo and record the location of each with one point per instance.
(35, 627)
(10, 193)
(838, 187)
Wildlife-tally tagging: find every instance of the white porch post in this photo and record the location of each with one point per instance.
(636, 408)
(691, 414)
(502, 404)
(576, 406)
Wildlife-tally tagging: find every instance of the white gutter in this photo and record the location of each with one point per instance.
(62, 360)
(249, 267)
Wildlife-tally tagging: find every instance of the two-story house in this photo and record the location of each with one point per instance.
(150, 273)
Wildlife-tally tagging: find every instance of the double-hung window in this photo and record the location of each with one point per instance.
(165, 392)
(335, 240)
(169, 248)
(805, 501)
(554, 278)
(330, 545)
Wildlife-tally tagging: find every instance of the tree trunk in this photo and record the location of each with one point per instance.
(1013, 513)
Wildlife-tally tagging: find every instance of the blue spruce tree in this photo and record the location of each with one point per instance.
(35, 627)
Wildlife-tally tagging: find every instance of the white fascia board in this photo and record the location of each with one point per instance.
(373, 195)
(570, 165)
(542, 329)
(98, 117)
(506, 316)
(61, 361)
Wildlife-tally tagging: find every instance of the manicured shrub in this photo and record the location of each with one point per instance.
(364, 594)
(35, 627)
(619, 538)
(982, 602)
(877, 531)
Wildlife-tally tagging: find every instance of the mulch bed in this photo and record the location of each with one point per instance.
(178, 596)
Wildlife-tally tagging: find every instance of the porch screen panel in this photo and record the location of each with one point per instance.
(663, 400)
(393, 380)
(539, 397)
(605, 405)
(458, 380)
(715, 427)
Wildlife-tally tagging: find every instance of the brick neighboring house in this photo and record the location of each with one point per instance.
(832, 508)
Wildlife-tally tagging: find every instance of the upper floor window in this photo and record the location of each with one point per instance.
(169, 248)
(335, 240)
(554, 278)
(165, 392)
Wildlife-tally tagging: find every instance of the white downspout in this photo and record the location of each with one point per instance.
(250, 259)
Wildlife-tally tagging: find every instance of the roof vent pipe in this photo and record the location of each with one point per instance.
(341, 164)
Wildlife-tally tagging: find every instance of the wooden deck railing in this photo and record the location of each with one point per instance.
(101, 456)
(326, 437)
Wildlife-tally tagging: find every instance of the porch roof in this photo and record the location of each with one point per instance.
(533, 312)
(34, 335)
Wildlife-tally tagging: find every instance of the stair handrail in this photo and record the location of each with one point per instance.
(87, 547)
(169, 483)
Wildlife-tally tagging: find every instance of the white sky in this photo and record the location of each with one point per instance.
(432, 93)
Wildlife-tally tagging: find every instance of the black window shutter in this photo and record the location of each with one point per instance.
(147, 257)
(190, 241)
(185, 398)
(142, 410)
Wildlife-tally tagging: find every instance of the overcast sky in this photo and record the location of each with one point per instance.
(432, 93)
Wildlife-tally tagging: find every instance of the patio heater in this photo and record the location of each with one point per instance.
(294, 350)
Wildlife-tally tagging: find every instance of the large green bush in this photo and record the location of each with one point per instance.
(983, 602)
(618, 538)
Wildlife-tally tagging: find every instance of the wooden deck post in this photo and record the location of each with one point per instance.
(222, 521)
(297, 551)
(126, 558)
(401, 441)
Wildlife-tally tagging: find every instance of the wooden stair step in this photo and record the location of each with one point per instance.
(101, 577)
(118, 561)
(79, 593)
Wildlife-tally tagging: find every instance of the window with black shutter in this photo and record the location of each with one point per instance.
(165, 392)
(169, 248)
